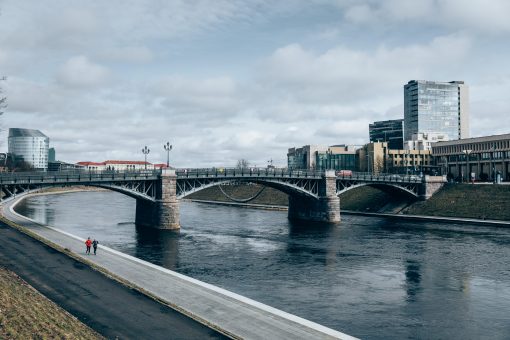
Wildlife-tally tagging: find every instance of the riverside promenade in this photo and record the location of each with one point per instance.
(229, 313)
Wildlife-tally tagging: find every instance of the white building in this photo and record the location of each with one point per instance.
(424, 141)
(116, 165)
(31, 145)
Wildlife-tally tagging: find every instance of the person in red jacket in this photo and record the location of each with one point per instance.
(88, 243)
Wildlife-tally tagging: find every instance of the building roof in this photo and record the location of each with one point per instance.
(87, 163)
(472, 140)
(113, 162)
(19, 132)
(126, 162)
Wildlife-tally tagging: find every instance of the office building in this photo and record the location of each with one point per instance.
(438, 109)
(304, 157)
(52, 157)
(391, 131)
(480, 158)
(29, 145)
(379, 158)
(337, 157)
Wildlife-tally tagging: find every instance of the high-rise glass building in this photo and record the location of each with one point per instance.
(440, 109)
(31, 145)
(391, 131)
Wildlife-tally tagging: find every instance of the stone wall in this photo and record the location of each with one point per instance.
(164, 213)
(324, 209)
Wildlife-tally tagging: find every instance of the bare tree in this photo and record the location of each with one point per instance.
(242, 164)
(379, 165)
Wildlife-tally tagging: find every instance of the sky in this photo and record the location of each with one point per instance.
(229, 80)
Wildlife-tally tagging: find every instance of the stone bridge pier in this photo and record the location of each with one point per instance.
(163, 213)
(324, 209)
(430, 185)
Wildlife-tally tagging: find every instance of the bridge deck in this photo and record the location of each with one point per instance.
(224, 310)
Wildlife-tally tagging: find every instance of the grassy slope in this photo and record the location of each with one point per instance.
(268, 196)
(454, 200)
(466, 200)
(26, 314)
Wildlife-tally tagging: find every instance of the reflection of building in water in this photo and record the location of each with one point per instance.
(163, 246)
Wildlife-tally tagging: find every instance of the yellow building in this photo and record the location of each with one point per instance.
(377, 158)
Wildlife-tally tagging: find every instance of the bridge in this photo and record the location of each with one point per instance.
(313, 195)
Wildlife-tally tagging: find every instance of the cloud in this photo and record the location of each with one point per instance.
(227, 80)
(129, 54)
(199, 100)
(478, 16)
(342, 82)
(79, 71)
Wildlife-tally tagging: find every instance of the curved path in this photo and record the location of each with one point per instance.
(110, 308)
(228, 312)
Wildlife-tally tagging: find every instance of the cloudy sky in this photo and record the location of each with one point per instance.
(224, 80)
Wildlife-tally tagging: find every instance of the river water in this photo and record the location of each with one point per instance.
(373, 278)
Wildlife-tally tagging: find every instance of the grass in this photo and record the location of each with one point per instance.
(454, 200)
(269, 196)
(466, 200)
(27, 314)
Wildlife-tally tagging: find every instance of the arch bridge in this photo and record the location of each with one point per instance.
(313, 195)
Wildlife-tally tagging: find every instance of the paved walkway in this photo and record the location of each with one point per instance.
(110, 308)
(224, 310)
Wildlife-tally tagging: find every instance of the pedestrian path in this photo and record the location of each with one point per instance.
(228, 312)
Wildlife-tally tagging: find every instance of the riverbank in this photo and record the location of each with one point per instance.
(27, 314)
(464, 201)
(229, 313)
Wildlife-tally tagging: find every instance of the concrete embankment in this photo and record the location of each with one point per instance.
(229, 313)
(494, 223)
(456, 203)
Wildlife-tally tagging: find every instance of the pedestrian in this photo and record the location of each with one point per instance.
(88, 243)
(94, 244)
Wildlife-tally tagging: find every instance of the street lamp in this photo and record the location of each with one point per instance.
(491, 169)
(368, 161)
(146, 151)
(467, 153)
(167, 147)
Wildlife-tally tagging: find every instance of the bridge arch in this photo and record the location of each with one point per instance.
(309, 190)
(409, 189)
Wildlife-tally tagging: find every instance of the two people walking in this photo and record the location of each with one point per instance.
(89, 243)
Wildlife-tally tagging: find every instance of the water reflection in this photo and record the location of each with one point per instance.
(370, 277)
(162, 245)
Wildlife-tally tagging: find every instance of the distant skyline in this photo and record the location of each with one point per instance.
(225, 80)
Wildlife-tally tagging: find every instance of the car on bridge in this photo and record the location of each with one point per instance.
(343, 173)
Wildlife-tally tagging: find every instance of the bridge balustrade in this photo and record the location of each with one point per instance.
(247, 172)
(75, 176)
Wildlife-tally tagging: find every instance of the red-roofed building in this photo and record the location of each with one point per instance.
(160, 166)
(116, 165)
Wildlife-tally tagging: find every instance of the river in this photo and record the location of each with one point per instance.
(370, 277)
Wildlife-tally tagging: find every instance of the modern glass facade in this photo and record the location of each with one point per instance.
(437, 108)
(31, 145)
(331, 161)
(391, 131)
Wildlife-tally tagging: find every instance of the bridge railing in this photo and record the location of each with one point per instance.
(381, 177)
(247, 172)
(75, 176)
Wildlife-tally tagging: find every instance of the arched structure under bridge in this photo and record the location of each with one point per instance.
(313, 195)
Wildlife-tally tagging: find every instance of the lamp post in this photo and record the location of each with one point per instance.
(167, 147)
(146, 151)
(368, 160)
(467, 153)
(493, 173)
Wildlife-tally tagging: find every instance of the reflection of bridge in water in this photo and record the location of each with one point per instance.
(313, 195)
